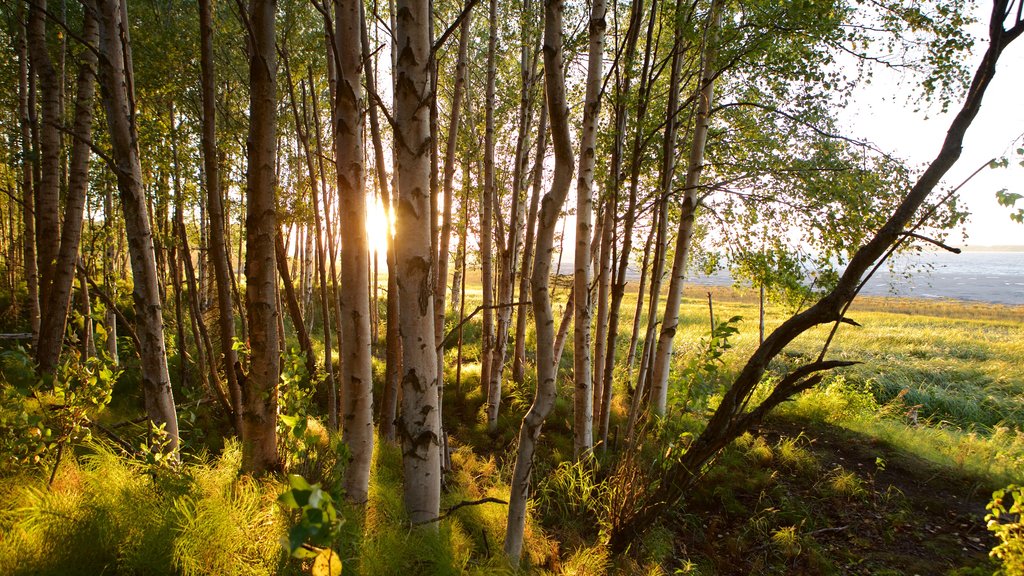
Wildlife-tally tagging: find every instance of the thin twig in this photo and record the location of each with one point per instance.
(463, 504)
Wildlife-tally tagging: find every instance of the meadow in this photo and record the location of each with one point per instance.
(883, 469)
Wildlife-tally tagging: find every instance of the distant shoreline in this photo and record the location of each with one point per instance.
(995, 248)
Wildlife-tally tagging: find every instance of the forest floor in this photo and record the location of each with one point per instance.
(803, 497)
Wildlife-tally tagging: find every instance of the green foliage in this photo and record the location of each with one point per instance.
(41, 415)
(316, 527)
(1009, 199)
(702, 370)
(1006, 521)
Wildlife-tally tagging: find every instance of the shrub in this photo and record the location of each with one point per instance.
(1005, 521)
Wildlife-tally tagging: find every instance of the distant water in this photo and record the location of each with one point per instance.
(994, 277)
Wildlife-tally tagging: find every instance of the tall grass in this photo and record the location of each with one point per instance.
(106, 514)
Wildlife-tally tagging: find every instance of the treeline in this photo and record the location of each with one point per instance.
(219, 162)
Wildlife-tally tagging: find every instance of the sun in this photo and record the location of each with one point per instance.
(379, 226)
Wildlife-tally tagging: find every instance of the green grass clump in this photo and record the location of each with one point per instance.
(110, 515)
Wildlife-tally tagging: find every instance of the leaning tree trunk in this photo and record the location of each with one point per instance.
(356, 370)
(418, 425)
(116, 78)
(670, 321)
(529, 433)
(62, 276)
(259, 388)
(215, 209)
(732, 417)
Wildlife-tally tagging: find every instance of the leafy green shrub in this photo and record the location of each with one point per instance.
(40, 416)
(316, 526)
(1006, 521)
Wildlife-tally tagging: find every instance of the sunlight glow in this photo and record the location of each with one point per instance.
(380, 226)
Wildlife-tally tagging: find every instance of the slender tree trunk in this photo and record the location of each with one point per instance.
(356, 369)
(321, 249)
(215, 206)
(291, 301)
(116, 75)
(392, 337)
(110, 318)
(509, 253)
(640, 292)
(668, 165)
(487, 212)
(604, 278)
(47, 186)
(670, 323)
(88, 343)
(259, 389)
(583, 407)
(551, 206)
(621, 110)
(519, 361)
(419, 427)
(451, 145)
(62, 274)
(26, 107)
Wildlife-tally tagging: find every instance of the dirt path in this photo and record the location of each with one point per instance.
(858, 507)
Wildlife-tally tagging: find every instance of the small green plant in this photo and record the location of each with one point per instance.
(1006, 521)
(41, 415)
(316, 528)
(702, 370)
(787, 542)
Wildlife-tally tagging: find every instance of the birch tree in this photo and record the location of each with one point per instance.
(356, 370)
(551, 206)
(259, 386)
(583, 412)
(115, 73)
(691, 186)
(418, 422)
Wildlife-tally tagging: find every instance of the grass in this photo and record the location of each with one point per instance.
(766, 505)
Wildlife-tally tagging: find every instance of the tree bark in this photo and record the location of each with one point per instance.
(509, 252)
(583, 407)
(668, 166)
(26, 107)
(522, 312)
(259, 388)
(215, 210)
(392, 337)
(47, 186)
(670, 322)
(62, 274)
(629, 218)
(551, 206)
(116, 76)
(418, 426)
(487, 213)
(451, 146)
(356, 369)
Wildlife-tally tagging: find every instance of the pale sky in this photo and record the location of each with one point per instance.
(881, 113)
